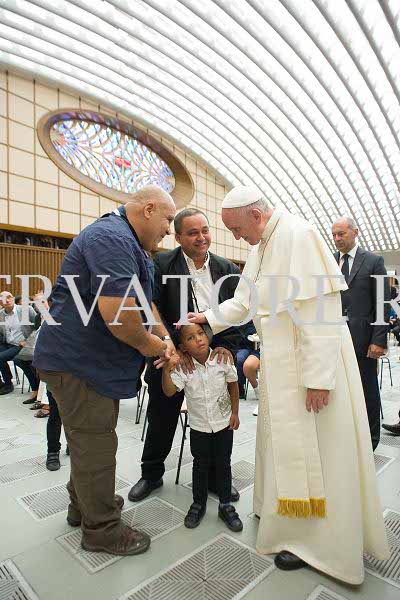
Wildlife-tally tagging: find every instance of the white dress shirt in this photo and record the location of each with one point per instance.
(207, 395)
(352, 254)
(201, 282)
(14, 334)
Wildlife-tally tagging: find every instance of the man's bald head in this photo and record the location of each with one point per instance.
(151, 211)
(345, 232)
(150, 193)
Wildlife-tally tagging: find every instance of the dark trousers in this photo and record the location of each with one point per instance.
(7, 352)
(369, 378)
(30, 373)
(206, 449)
(53, 425)
(163, 415)
(241, 356)
(89, 421)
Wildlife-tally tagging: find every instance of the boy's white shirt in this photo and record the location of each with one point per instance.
(206, 393)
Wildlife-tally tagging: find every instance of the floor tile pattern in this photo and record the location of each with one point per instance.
(222, 570)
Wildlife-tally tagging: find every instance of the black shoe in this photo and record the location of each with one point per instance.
(6, 388)
(392, 428)
(53, 461)
(29, 401)
(195, 514)
(143, 488)
(286, 561)
(229, 515)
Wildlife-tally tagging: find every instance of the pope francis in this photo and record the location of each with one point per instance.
(315, 487)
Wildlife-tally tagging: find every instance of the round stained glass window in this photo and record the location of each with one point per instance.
(112, 157)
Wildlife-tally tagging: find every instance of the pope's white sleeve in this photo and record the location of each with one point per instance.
(319, 343)
(231, 312)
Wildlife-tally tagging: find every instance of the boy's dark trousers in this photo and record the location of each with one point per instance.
(208, 448)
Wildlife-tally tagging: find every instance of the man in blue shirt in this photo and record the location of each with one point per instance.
(93, 354)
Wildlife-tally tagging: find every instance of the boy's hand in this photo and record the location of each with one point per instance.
(169, 351)
(172, 363)
(234, 422)
(185, 362)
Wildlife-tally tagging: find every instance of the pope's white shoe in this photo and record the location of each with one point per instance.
(255, 412)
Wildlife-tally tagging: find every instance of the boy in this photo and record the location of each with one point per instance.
(212, 397)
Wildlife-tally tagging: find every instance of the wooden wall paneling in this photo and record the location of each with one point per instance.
(28, 260)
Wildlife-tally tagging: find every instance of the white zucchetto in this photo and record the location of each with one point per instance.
(242, 195)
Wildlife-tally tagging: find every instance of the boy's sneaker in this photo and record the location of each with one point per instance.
(195, 514)
(229, 515)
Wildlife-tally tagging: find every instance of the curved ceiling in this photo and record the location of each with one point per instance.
(301, 98)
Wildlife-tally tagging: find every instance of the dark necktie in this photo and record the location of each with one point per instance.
(345, 267)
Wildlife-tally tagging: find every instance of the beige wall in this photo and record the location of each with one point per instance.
(35, 194)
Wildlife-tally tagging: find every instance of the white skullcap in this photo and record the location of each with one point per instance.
(242, 195)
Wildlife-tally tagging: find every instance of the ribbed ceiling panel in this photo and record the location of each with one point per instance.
(300, 98)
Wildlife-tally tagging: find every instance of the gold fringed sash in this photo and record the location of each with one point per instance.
(302, 509)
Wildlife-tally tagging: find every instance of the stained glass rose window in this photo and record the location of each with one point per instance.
(110, 157)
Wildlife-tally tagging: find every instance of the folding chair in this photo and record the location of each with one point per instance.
(185, 425)
(140, 401)
(385, 360)
(18, 382)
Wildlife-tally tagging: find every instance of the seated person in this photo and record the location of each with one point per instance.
(394, 325)
(247, 361)
(212, 398)
(13, 337)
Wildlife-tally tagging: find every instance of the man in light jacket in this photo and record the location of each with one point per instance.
(12, 339)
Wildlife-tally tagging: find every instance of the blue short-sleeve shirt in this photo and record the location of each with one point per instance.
(108, 247)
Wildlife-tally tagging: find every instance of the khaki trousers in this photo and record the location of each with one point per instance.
(89, 421)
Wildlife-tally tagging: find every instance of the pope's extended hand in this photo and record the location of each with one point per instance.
(196, 318)
(316, 400)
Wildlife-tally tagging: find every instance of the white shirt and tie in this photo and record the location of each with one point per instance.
(351, 254)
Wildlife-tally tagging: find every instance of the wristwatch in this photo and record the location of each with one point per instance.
(165, 338)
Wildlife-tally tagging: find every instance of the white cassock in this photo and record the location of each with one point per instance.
(306, 459)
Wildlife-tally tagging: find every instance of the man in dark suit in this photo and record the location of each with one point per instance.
(359, 305)
(193, 258)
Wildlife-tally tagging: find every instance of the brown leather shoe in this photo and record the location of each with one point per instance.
(74, 516)
(130, 542)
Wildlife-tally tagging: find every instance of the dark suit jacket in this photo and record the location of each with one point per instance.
(167, 297)
(359, 301)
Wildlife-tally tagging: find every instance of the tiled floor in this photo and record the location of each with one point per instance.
(40, 555)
